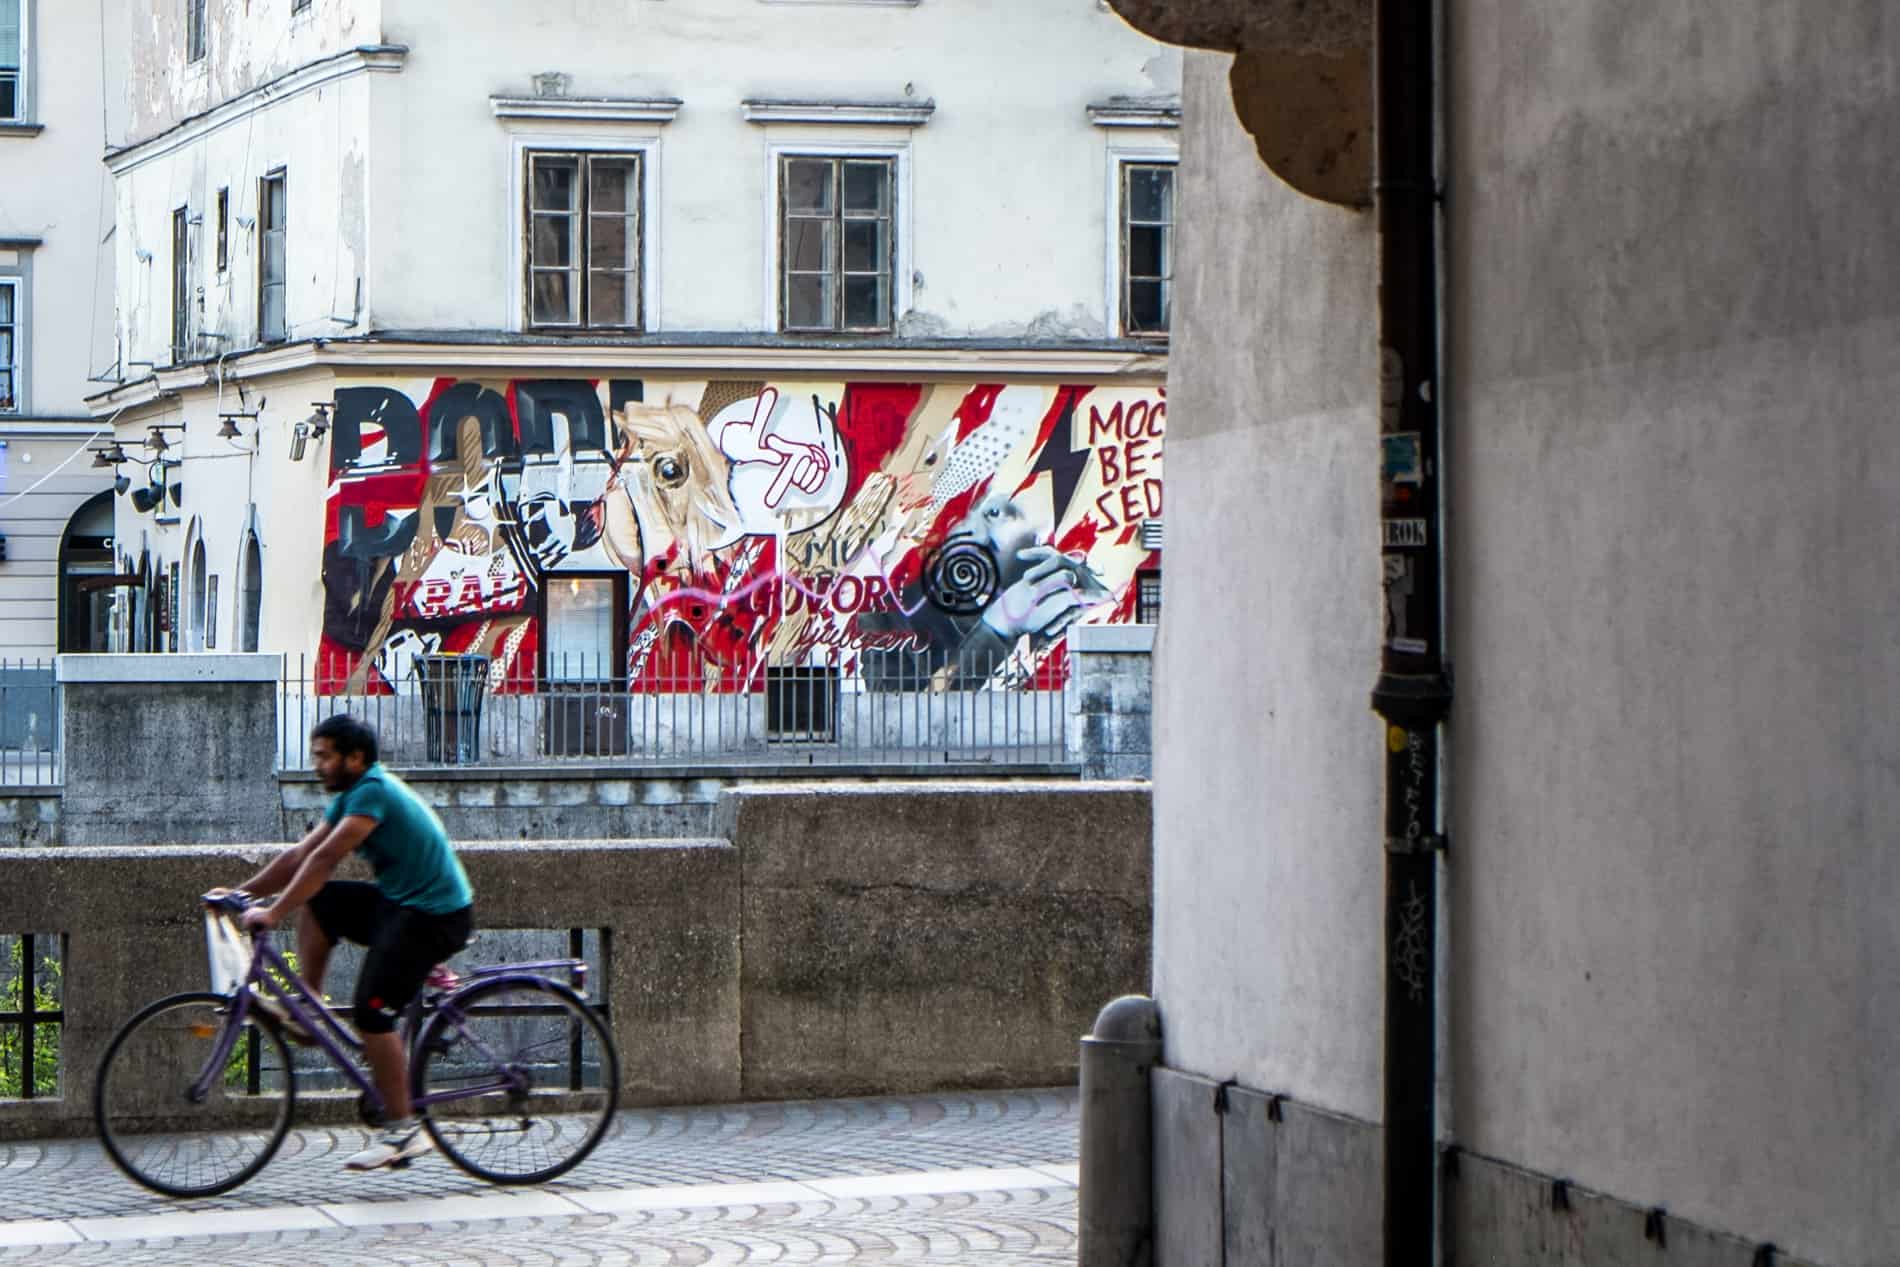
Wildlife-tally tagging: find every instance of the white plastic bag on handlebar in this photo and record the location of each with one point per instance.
(229, 950)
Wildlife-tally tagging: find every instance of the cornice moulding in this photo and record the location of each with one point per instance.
(907, 114)
(587, 109)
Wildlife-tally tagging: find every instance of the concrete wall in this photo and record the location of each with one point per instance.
(846, 940)
(1674, 355)
(1267, 769)
(1111, 700)
(1671, 335)
(900, 936)
(168, 750)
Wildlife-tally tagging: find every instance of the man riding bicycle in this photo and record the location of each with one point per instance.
(416, 914)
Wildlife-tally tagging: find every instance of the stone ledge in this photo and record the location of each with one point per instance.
(1112, 639)
(161, 669)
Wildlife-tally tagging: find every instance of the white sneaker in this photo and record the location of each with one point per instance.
(399, 1142)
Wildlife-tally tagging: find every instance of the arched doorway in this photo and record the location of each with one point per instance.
(198, 585)
(86, 577)
(251, 595)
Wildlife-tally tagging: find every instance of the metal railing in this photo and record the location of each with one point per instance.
(887, 709)
(29, 724)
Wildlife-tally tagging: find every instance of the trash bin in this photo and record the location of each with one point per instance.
(453, 687)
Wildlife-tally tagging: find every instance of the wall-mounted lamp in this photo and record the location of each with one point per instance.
(156, 440)
(120, 484)
(310, 428)
(228, 428)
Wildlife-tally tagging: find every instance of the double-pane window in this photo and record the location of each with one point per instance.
(12, 63)
(837, 243)
(194, 30)
(272, 268)
(1147, 247)
(584, 240)
(9, 346)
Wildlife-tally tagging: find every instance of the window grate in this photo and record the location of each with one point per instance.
(32, 1015)
(801, 704)
(1148, 598)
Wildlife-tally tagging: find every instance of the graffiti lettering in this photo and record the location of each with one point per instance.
(540, 401)
(390, 417)
(470, 400)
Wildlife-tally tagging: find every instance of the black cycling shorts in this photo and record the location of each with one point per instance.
(404, 945)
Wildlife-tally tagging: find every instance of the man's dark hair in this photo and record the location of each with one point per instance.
(347, 734)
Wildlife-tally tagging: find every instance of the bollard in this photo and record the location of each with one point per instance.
(1115, 1216)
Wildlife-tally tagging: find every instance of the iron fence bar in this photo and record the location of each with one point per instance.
(29, 996)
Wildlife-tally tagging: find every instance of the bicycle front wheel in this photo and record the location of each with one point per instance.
(516, 1080)
(151, 1125)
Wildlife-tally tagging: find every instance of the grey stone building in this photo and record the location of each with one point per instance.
(1666, 1004)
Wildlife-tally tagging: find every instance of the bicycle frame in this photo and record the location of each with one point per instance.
(269, 972)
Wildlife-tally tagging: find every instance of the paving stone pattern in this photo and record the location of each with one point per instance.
(1031, 1222)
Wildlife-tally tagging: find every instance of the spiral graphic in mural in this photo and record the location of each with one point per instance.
(961, 577)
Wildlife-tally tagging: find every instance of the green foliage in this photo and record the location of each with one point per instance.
(237, 1073)
(13, 977)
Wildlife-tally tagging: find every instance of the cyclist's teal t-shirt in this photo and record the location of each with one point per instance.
(409, 850)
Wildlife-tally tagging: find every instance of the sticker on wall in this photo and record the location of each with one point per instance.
(1405, 534)
(1400, 581)
(1402, 459)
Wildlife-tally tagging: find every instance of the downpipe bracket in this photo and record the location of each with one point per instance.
(1416, 701)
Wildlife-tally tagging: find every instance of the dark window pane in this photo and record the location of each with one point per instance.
(864, 305)
(864, 246)
(1150, 194)
(808, 185)
(809, 245)
(609, 242)
(1147, 309)
(1147, 251)
(867, 187)
(556, 185)
(9, 95)
(6, 389)
(555, 297)
(808, 302)
(610, 299)
(553, 241)
(612, 184)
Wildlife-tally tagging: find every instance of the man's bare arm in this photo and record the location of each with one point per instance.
(319, 860)
(283, 867)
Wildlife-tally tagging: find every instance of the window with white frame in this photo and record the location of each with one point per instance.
(837, 243)
(584, 240)
(1147, 247)
(194, 30)
(272, 264)
(10, 358)
(12, 61)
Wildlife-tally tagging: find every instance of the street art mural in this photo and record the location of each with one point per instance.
(900, 533)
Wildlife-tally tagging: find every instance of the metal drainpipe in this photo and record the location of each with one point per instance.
(1413, 694)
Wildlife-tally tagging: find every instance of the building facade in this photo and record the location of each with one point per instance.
(1665, 1023)
(56, 286)
(662, 338)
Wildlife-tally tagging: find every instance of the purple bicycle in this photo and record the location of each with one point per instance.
(513, 1074)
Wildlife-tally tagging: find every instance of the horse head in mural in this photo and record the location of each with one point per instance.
(669, 495)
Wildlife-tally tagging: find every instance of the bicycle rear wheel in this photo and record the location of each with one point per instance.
(153, 1130)
(534, 1074)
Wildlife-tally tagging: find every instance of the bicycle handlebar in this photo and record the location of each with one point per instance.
(235, 901)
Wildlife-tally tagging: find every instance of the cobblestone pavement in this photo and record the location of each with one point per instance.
(976, 1180)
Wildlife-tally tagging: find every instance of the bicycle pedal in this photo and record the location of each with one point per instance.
(401, 1163)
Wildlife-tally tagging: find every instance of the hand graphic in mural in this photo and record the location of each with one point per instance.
(801, 464)
(1053, 591)
(787, 465)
